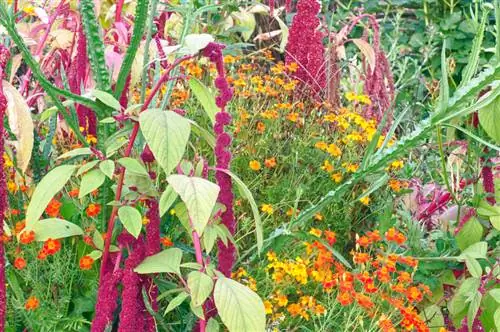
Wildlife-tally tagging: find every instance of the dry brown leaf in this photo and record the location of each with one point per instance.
(20, 124)
(367, 51)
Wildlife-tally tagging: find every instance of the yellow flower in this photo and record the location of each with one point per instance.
(254, 165)
(351, 168)
(350, 96)
(172, 212)
(321, 145)
(12, 186)
(397, 164)
(334, 150)
(271, 256)
(316, 232)
(293, 116)
(327, 167)
(337, 177)
(267, 208)
(282, 300)
(363, 99)
(29, 10)
(318, 217)
(268, 306)
(145, 220)
(365, 200)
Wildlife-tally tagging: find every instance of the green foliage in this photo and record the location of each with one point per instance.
(167, 134)
(239, 308)
(166, 261)
(131, 219)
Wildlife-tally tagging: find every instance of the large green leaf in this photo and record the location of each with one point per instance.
(205, 97)
(45, 191)
(167, 198)
(199, 195)
(240, 309)
(470, 234)
(167, 134)
(131, 219)
(200, 286)
(167, 261)
(90, 182)
(107, 167)
(75, 152)
(54, 228)
(133, 166)
(489, 119)
(176, 301)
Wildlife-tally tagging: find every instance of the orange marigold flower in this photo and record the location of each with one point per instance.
(282, 300)
(270, 162)
(86, 262)
(15, 212)
(361, 258)
(319, 217)
(330, 237)
(19, 227)
(410, 261)
(383, 274)
(370, 288)
(404, 277)
(53, 208)
(166, 242)
(51, 246)
(363, 241)
(268, 307)
(394, 236)
(74, 193)
(19, 263)
(42, 254)
(254, 165)
(398, 288)
(93, 210)
(344, 298)
(413, 294)
(316, 232)
(27, 237)
(385, 324)
(374, 236)
(364, 301)
(32, 303)
(261, 127)
(294, 309)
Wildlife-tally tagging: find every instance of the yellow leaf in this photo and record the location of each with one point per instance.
(20, 123)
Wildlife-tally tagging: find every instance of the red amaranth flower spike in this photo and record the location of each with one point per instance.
(4, 58)
(226, 255)
(305, 45)
(153, 246)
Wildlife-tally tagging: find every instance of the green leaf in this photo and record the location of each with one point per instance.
(107, 99)
(444, 89)
(255, 209)
(54, 228)
(212, 325)
(240, 309)
(497, 318)
(75, 152)
(167, 134)
(200, 286)
(470, 233)
(133, 166)
(473, 267)
(473, 308)
(205, 97)
(495, 293)
(90, 182)
(176, 301)
(209, 237)
(167, 198)
(166, 261)
(477, 250)
(98, 240)
(488, 118)
(197, 310)
(86, 167)
(199, 195)
(131, 220)
(107, 167)
(50, 185)
(433, 317)
(495, 222)
(95, 254)
(194, 43)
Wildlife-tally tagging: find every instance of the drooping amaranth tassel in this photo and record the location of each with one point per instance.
(4, 58)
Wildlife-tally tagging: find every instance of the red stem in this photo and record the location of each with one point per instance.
(128, 151)
(119, 8)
